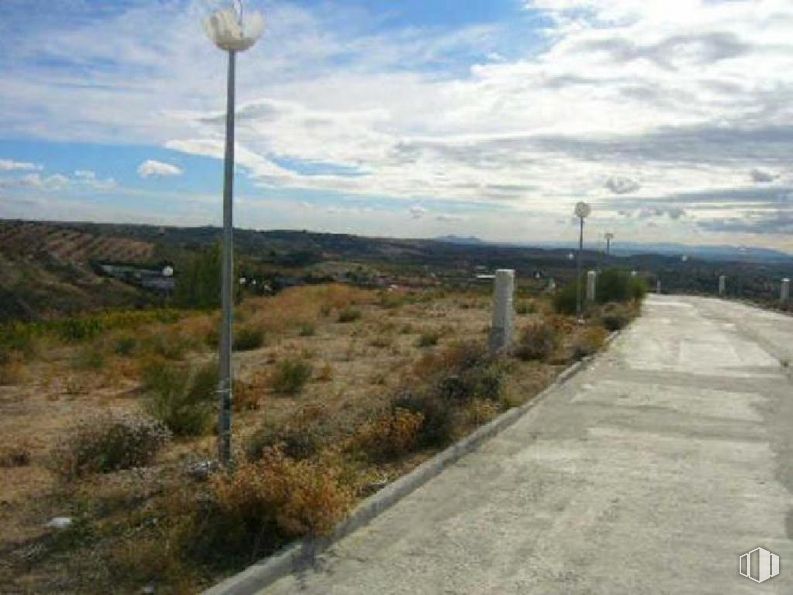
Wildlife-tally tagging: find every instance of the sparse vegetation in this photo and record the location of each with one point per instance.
(349, 315)
(290, 375)
(537, 341)
(108, 442)
(247, 338)
(181, 399)
(428, 339)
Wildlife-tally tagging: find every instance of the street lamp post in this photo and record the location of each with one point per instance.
(609, 236)
(582, 211)
(232, 31)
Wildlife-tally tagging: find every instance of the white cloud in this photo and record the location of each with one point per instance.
(150, 168)
(677, 95)
(762, 176)
(417, 212)
(11, 165)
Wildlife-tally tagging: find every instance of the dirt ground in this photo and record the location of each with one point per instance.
(356, 366)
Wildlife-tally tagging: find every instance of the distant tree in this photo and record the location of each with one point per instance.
(198, 284)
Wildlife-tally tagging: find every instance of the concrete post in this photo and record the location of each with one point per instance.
(784, 293)
(551, 285)
(591, 285)
(722, 284)
(503, 311)
(658, 286)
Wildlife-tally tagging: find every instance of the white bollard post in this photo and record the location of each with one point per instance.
(591, 285)
(722, 284)
(658, 286)
(503, 311)
(784, 292)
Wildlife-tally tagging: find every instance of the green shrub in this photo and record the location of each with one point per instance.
(349, 314)
(564, 301)
(525, 307)
(308, 330)
(125, 345)
(108, 442)
(183, 401)
(78, 329)
(428, 339)
(613, 285)
(638, 288)
(537, 341)
(247, 338)
(290, 375)
(614, 316)
(89, 358)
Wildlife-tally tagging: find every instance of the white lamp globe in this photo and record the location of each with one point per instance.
(231, 27)
(582, 210)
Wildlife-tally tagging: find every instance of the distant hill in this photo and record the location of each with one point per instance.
(47, 268)
(452, 239)
(705, 252)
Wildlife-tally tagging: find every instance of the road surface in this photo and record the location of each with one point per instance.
(649, 472)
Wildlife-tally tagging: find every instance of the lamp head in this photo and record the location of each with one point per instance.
(582, 210)
(231, 28)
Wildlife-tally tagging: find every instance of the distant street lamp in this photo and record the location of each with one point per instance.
(582, 211)
(232, 30)
(609, 236)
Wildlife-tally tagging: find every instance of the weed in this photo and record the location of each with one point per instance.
(294, 497)
(325, 373)
(349, 314)
(537, 341)
(391, 436)
(614, 316)
(183, 401)
(108, 442)
(588, 342)
(247, 338)
(428, 339)
(525, 307)
(89, 358)
(290, 375)
(308, 330)
(125, 345)
(14, 456)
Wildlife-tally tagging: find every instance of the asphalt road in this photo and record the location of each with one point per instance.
(649, 472)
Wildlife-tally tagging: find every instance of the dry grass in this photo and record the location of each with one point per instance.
(344, 428)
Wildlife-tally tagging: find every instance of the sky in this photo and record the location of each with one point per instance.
(418, 118)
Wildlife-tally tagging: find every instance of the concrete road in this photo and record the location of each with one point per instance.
(650, 472)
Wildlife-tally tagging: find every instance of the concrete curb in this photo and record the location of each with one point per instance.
(301, 554)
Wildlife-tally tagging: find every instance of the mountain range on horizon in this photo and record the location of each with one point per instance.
(706, 252)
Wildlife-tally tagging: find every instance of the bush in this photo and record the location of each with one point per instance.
(125, 345)
(11, 367)
(638, 288)
(349, 314)
(614, 317)
(290, 375)
(525, 307)
(564, 301)
(14, 456)
(295, 498)
(437, 427)
(537, 341)
(428, 339)
(301, 437)
(308, 330)
(109, 442)
(392, 436)
(248, 338)
(168, 345)
(588, 342)
(89, 358)
(613, 285)
(184, 402)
